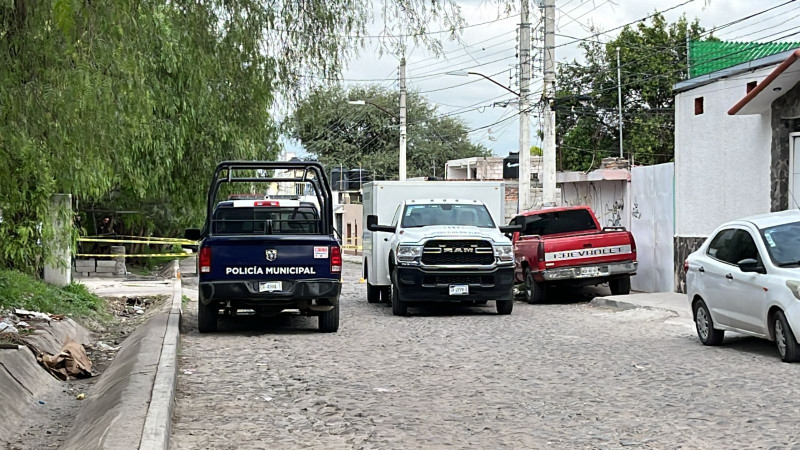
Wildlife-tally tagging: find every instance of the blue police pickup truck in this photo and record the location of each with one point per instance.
(268, 255)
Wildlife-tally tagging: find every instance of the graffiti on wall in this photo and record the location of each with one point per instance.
(635, 211)
(613, 214)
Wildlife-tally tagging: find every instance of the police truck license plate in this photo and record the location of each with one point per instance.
(270, 286)
(459, 289)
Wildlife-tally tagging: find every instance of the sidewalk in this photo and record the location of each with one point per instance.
(669, 301)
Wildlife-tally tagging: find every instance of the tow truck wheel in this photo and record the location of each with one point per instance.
(373, 293)
(534, 292)
(399, 308)
(207, 317)
(504, 307)
(620, 286)
(329, 320)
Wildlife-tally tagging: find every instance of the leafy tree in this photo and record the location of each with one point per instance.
(653, 59)
(352, 135)
(129, 104)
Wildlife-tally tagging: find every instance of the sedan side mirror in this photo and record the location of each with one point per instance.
(372, 225)
(193, 234)
(751, 265)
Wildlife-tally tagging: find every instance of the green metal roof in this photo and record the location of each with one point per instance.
(710, 56)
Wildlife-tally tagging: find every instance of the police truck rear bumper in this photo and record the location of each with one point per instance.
(248, 291)
(415, 284)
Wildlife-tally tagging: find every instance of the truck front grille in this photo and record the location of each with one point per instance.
(433, 280)
(457, 252)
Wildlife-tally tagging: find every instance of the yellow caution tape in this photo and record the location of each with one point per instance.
(139, 255)
(140, 241)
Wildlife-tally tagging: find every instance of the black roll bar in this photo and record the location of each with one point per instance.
(322, 189)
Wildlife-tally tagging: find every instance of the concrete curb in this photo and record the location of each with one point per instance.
(158, 422)
(603, 302)
(354, 259)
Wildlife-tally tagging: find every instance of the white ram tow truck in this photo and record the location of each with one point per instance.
(444, 250)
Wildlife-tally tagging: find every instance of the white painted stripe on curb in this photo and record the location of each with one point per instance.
(158, 422)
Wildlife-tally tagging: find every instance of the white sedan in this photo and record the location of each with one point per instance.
(746, 278)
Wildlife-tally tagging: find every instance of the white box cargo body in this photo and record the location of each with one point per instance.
(382, 198)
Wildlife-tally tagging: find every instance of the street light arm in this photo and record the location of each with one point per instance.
(495, 82)
(380, 107)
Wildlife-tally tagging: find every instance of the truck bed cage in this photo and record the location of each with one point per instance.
(224, 173)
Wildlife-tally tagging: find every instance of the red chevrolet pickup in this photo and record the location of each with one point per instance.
(567, 246)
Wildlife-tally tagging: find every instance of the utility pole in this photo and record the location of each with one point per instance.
(619, 99)
(548, 94)
(524, 124)
(402, 119)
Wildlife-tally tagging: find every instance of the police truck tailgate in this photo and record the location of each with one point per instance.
(234, 258)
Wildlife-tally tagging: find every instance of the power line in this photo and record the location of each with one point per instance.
(686, 2)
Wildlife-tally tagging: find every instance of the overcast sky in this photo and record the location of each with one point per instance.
(491, 49)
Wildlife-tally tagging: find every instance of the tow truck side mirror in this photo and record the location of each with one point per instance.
(193, 234)
(510, 228)
(372, 225)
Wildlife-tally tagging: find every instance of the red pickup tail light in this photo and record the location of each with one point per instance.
(540, 253)
(336, 259)
(633, 242)
(205, 260)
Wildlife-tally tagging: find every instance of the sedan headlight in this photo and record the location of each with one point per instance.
(408, 253)
(794, 286)
(504, 252)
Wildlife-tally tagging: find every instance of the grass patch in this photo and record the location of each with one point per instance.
(18, 290)
(185, 300)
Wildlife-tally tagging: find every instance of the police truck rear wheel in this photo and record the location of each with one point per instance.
(207, 317)
(399, 308)
(329, 320)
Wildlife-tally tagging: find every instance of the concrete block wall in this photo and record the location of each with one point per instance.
(96, 268)
(512, 198)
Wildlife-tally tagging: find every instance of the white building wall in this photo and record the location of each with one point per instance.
(606, 198)
(722, 162)
(652, 218)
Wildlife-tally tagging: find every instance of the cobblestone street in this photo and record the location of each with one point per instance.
(563, 375)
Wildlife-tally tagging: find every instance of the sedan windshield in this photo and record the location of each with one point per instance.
(783, 243)
(447, 214)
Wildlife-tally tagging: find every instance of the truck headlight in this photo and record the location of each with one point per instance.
(408, 253)
(504, 252)
(794, 286)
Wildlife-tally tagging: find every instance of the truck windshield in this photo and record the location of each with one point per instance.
(783, 244)
(558, 222)
(265, 220)
(447, 214)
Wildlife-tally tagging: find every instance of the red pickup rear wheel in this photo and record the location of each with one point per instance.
(620, 286)
(534, 291)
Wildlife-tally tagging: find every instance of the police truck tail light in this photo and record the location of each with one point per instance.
(686, 266)
(336, 259)
(205, 260)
